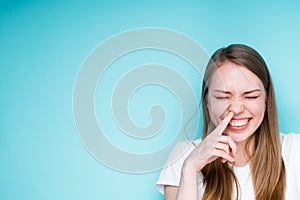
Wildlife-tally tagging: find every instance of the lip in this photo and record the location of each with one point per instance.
(241, 118)
(239, 127)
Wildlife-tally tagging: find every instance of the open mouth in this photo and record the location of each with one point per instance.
(239, 123)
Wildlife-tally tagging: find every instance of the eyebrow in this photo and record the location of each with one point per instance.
(247, 92)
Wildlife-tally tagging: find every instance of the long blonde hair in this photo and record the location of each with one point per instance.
(267, 166)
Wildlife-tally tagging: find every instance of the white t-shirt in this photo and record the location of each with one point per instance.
(290, 148)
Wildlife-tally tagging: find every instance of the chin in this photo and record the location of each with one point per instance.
(239, 139)
(239, 136)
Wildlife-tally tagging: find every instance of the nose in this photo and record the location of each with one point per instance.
(236, 106)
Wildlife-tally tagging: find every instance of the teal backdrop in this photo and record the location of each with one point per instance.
(44, 43)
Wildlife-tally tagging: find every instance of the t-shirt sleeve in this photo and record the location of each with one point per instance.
(291, 149)
(171, 172)
(290, 154)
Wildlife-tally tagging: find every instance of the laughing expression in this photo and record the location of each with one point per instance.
(236, 89)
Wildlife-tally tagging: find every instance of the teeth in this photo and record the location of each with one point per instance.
(238, 123)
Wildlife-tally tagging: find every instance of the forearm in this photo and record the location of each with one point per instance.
(188, 188)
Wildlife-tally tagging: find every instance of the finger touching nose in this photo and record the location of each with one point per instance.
(236, 107)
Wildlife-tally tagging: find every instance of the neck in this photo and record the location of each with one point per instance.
(241, 156)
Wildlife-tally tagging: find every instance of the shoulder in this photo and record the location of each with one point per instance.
(290, 140)
(171, 172)
(290, 146)
(181, 151)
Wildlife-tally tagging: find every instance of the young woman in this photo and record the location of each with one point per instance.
(242, 155)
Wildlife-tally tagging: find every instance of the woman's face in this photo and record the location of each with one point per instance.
(236, 89)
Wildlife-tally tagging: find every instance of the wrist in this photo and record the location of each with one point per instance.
(192, 166)
(188, 170)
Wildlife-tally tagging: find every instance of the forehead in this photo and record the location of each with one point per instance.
(235, 78)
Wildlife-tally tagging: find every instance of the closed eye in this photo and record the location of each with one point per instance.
(251, 97)
(217, 97)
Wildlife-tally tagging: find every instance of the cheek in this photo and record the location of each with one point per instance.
(217, 109)
(257, 109)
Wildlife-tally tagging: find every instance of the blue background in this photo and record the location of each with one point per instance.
(42, 46)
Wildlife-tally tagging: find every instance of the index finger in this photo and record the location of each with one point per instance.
(223, 124)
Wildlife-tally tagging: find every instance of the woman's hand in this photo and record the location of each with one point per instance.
(213, 146)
